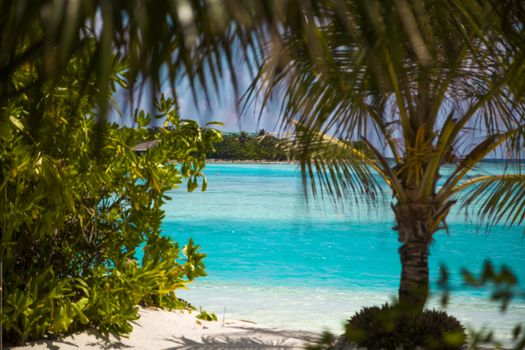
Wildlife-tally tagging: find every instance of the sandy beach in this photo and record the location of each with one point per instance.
(159, 329)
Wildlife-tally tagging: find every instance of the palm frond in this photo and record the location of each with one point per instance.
(345, 170)
(479, 152)
(496, 198)
(392, 73)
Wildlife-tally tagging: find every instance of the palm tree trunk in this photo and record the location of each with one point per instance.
(415, 234)
(413, 289)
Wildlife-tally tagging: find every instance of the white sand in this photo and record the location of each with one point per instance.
(158, 329)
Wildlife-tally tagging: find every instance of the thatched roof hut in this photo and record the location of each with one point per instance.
(145, 146)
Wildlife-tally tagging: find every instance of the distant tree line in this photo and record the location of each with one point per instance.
(249, 146)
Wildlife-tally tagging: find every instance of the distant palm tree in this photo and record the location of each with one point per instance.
(243, 137)
(261, 132)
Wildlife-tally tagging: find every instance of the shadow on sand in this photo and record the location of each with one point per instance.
(247, 338)
(102, 342)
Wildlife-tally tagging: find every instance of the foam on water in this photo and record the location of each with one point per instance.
(278, 261)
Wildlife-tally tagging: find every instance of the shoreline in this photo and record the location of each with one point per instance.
(161, 329)
(248, 161)
(320, 308)
(294, 162)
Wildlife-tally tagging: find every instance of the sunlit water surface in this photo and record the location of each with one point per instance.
(274, 259)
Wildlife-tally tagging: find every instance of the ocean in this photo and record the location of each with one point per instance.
(278, 260)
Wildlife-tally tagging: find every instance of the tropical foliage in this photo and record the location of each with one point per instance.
(74, 217)
(249, 147)
(505, 288)
(427, 82)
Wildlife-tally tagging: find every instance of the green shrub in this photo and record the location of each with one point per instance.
(206, 316)
(389, 327)
(78, 205)
(326, 341)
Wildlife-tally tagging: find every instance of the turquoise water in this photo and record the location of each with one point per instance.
(274, 259)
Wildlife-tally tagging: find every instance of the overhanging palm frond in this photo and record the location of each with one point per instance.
(345, 170)
(482, 149)
(495, 199)
(162, 41)
(372, 70)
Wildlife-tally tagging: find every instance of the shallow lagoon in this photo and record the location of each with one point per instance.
(274, 259)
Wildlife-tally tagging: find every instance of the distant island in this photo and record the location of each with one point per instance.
(244, 146)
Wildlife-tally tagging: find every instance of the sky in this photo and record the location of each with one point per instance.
(223, 106)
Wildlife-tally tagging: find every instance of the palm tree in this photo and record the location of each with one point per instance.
(426, 78)
(424, 82)
(243, 137)
(261, 132)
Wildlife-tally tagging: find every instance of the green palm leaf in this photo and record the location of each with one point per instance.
(375, 71)
(496, 198)
(343, 169)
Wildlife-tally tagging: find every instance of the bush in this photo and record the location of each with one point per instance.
(79, 205)
(388, 327)
(206, 316)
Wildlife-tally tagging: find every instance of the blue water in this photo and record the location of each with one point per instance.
(282, 262)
